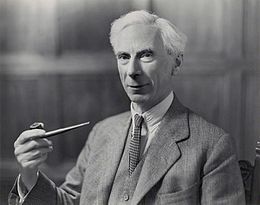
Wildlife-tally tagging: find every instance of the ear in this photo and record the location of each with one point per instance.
(178, 62)
(175, 70)
(177, 65)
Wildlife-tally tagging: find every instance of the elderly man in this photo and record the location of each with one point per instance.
(158, 153)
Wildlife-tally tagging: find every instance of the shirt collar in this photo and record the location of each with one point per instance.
(156, 113)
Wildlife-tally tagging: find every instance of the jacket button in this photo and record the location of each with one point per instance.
(126, 197)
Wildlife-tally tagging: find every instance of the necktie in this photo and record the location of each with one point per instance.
(134, 148)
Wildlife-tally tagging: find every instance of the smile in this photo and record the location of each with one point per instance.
(136, 86)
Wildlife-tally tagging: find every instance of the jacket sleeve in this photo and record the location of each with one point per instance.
(222, 181)
(45, 192)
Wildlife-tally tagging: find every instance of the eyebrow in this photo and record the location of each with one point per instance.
(121, 53)
(140, 53)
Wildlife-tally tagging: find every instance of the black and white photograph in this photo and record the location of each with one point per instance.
(129, 102)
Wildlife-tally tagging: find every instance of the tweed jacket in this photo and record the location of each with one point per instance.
(190, 161)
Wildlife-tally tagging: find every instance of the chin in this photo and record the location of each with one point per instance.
(139, 99)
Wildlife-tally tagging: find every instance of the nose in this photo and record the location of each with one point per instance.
(134, 68)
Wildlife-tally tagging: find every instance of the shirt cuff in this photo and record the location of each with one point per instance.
(22, 190)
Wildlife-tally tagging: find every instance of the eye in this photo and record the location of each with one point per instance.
(123, 58)
(147, 56)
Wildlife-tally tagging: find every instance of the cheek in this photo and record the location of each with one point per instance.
(150, 69)
(121, 73)
(160, 79)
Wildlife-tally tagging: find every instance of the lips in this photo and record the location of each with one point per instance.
(136, 86)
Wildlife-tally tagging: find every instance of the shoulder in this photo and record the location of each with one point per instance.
(201, 126)
(110, 126)
(207, 136)
(114, 121)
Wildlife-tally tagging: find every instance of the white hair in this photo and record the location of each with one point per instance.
(173, 39)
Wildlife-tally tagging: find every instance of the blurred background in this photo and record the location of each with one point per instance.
(57, 67)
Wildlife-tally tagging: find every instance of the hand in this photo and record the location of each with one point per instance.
(30, 152)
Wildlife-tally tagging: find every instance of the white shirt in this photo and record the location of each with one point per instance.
(152, 120)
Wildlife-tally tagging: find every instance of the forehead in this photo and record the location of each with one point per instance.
(138, 37)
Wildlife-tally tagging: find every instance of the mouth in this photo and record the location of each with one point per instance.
(136, 87)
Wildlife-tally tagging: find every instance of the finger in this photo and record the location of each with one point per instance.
(29, 135)
(36, 154)
(34, 163)
(32, 155)
(32, 145)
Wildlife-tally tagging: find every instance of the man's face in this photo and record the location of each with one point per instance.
(144, 65)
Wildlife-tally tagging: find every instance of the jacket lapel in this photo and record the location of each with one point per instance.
(163, 151)
(113, 156)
